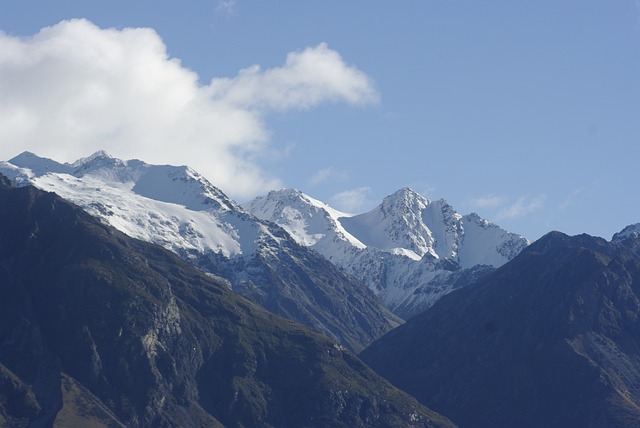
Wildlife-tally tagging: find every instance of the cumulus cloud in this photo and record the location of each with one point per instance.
(74, 88)
(523, 206)
(351, 201)
(308, 78)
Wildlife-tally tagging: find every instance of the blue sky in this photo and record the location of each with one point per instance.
(524, 112)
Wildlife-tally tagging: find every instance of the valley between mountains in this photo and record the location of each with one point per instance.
(481, 326)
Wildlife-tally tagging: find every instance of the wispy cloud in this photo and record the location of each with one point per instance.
(74, 88)
(579, 193)
(490, 201)
(352, 200)
(327, 174)
(226, 7)
(424, 188)
(568, 201)
(525, 205)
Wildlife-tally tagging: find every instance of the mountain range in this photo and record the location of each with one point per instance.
(100, 326)
(550, 339)
(102, 330)
(402, 256)
(179, 209)
(410, 250)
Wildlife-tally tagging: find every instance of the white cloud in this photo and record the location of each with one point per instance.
(74, 88)
(308, 78)
(351, 201)
(522, 207)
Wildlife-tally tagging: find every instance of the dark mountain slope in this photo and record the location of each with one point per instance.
(299, 284)
(179, 209)
(98, 329)
(550, 339)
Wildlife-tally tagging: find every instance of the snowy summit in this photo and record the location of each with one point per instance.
(408, 249)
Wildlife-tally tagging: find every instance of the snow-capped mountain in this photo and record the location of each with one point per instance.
(409, 250)
(177, 208)
(166, 205)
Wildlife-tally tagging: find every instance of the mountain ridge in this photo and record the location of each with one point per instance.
(409, 250)
(100, 329)
(179, 209)
(551, 338)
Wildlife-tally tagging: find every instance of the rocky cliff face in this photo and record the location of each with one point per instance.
(99, 329)
(551, 339)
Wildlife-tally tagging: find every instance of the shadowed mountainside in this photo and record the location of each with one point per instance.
(99, 329)
(550, 339)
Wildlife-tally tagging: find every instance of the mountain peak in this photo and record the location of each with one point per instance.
(409, 250)
(549, 339)
(555, 239)
(290, 195)
(630, 232)
(275, 200)
(396, 225)
(38, 165)
(629, 236)
(294, 194)
(97, 160)
(26, 155)
(405, 197)
(100, 154)
(308, 220)
(290, 191)
(405, 191)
